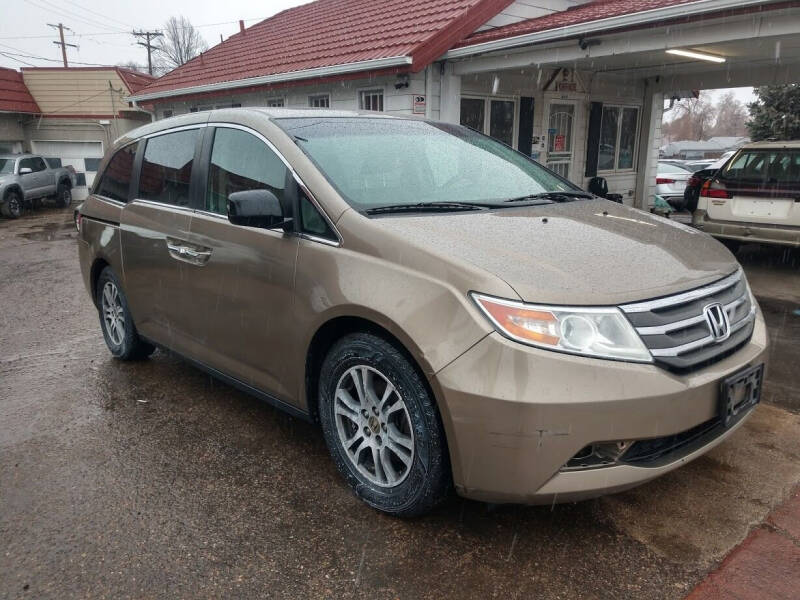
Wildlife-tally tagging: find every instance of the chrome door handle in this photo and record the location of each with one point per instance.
(188, 253)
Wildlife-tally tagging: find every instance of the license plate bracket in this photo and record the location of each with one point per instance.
(740, 392)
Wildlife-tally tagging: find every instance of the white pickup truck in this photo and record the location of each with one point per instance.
(25, 179)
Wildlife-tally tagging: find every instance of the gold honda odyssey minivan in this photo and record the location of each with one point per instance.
(449, 311)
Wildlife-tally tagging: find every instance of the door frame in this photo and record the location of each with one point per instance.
(548, 104)
(487, 113)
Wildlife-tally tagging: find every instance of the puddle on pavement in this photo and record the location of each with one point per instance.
(47, 232)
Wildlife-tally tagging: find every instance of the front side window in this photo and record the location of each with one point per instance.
(240, 161)
(617, 138)
(116, 179)
(312, 221)
(371, 100)
(26, 163)
(167, 167)
(319, 101)
(382, 162)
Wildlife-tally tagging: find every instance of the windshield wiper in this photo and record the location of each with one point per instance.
(553, 197)
(425, 206)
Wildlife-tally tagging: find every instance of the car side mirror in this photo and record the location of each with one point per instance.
(25, 170)
(256, 208)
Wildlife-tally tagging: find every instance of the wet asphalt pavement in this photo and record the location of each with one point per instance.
(152, 480)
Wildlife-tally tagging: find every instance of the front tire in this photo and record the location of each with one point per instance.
(12, 205)
(63, 195)
(382, 426)
(116, 321)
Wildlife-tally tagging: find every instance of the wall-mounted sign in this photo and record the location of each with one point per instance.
(565, 81)
(419, 105)
(560, 143)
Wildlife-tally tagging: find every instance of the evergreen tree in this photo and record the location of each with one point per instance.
(776, 113)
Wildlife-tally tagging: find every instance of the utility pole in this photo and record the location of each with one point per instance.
(148, 35)
(62, 43)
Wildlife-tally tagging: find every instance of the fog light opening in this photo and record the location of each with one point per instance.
(597, 455)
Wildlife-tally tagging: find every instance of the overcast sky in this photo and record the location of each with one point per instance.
(101, 28)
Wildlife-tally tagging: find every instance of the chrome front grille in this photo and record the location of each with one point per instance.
(677, 333)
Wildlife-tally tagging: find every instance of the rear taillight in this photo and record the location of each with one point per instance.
(660, 180)
(714, 189)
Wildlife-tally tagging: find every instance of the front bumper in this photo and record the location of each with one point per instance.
(747, 232)
(515, 415)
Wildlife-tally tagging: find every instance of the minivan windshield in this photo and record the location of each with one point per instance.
(378, 162)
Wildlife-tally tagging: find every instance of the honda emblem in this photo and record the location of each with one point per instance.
(718, 323)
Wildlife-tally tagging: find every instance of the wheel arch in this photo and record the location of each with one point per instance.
(94, 274)
(335, 328)
(14, 187)
(65, 179)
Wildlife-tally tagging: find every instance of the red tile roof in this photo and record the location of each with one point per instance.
(14, 95)
(134, 79)
(584, 13)
(335, 32)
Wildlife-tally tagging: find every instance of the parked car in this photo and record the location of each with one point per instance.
(692, 191)
(670, 183)
(27, 179)
(754, 197)
(673, 161)
(696, 165)
(450, 312)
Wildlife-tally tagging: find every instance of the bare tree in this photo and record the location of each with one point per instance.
(693, 121)
(732, 116)
(133, 66)
(181, 43)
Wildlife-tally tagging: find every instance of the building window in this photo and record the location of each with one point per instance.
(320, 101)
(166, 114)
(91, 164)
(276, 102)
(618, 129)
(371, 100)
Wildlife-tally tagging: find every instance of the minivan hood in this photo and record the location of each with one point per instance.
(591, 252)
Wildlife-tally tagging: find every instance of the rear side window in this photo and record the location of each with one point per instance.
(167, 167)
(116, 180)
(768, 167)
(240, 161)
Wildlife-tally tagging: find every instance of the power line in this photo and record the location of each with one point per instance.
(89, 10)
(16, 59)
(150, 47)
(101, 33)
(57, 10)
(33, 56)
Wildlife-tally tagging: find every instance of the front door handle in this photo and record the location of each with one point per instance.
(187, 252)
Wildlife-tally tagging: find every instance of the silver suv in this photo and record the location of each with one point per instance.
(26, 179)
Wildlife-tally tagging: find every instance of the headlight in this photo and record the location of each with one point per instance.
(597, 332)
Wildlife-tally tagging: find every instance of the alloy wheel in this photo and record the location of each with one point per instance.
(374, 427)
(113, 313)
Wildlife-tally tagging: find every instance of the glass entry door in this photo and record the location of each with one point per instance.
(493, 116)
(560, 130)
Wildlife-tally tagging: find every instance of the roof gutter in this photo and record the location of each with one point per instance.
(365, 65)
(601, 25)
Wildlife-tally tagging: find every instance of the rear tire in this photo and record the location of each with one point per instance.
(12, 205)
(382, 426)
(116, 321)
(63, 195)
